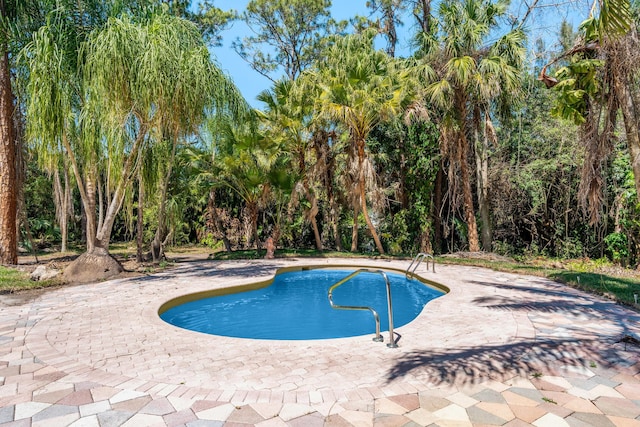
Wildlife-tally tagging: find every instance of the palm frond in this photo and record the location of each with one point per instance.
(460, 69)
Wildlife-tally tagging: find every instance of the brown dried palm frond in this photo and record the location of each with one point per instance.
(450, 150)
(622, 56)
(490, 131)
(598, 144)
(416, 112)
(374, 191)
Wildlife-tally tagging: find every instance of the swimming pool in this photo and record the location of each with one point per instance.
(295, 306)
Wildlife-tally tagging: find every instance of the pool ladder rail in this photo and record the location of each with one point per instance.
(378, 337)
(417, 260)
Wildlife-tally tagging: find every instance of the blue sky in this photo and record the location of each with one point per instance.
(544, 23)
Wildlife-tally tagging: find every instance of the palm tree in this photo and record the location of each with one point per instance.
(252, 166)
(360, 87)
(287, 116)
(471, 77)
(134, 78)
(194, 77)
(600, 81)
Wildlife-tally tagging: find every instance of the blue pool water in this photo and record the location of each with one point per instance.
(296, 307)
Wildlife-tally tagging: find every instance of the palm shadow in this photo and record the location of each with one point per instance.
(213, 269)
(473, 365)
(571, 305)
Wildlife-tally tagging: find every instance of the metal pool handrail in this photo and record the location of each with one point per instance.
(378, 337)
(419, 258)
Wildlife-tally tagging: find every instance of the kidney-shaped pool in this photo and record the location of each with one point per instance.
(295, 306)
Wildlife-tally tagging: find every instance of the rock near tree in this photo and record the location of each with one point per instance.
(92, 267)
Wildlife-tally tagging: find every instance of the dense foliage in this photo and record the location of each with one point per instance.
(130, 131)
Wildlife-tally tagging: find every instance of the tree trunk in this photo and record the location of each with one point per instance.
(422, 13)
(403, 196)
(90, 212)
(333, 215)
(103, 234)
(367, 219)
(314, 223)
(217, 223)
(425, 241)
(363, 198)
(390, 28)
(325, 165)
(630, 125)
(253, 216)
(437, 208)
(21, 213)
(18, 127)
(8, 183)
(302, 170)
(68, 206)
(354, 229)
(482, 176)
(157, 249)
(467, 197)
(101, 199)
(140, 220)
(87, 195)
(60, 201)
(333, 206)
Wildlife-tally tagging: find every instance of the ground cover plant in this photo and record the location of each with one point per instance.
(13, 280)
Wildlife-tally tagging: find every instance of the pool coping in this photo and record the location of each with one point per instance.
(281, 270)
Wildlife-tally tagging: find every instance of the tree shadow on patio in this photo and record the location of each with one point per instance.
(212, 269)
(578, 308)
(466, 366)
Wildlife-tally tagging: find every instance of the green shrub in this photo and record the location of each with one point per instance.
(616, 247)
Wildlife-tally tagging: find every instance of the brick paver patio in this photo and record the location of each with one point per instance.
(499, 349)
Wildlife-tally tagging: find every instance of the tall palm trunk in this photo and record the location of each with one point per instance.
(389, 16)
(467, 197)
(68, 201)
(253, 218)
(482, 175)
(333, 215)
(8, 183)
(363, 196)
(311, 197)
(326, 160)
(354, 229)
(437, 207)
